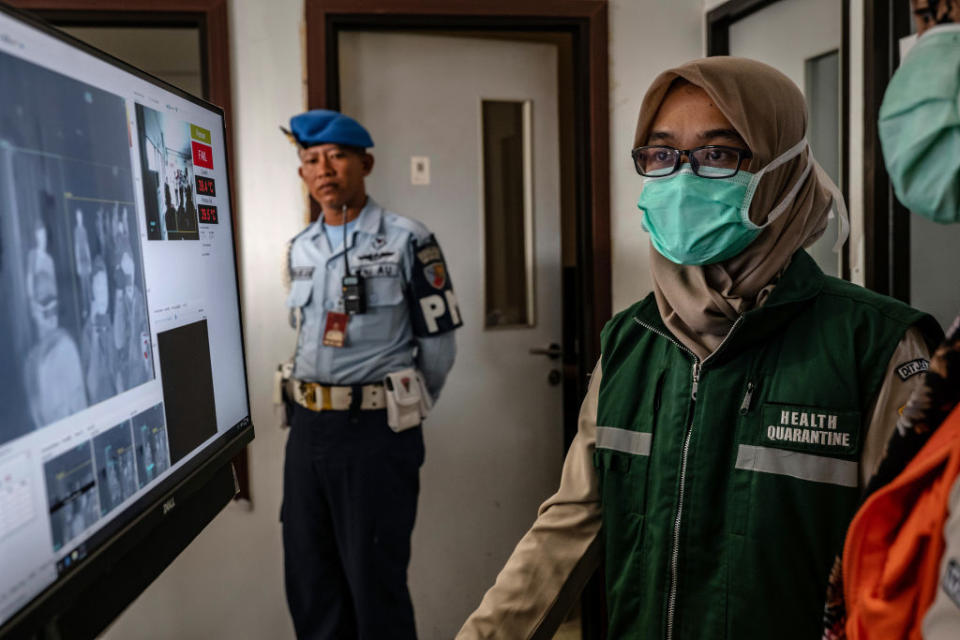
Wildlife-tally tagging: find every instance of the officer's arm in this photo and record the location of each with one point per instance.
(902, 377)
(553, 561)
(434, 311)
(435, 357)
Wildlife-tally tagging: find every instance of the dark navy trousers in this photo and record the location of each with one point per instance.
(350, 487)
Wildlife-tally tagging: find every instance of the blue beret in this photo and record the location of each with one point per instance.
(322, 126)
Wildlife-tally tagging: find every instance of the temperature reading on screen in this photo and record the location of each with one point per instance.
(208, 214)
(206, 187)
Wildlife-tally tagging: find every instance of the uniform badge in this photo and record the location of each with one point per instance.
(909, 369)
(436, 275)
(335, 332)
(810, 429)
(436, 309)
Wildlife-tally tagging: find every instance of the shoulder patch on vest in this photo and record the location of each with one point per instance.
(909, 369)
(951, 581)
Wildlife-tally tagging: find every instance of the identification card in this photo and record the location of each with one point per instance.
(335, 332)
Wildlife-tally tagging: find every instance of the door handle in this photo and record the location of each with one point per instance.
(553, 352)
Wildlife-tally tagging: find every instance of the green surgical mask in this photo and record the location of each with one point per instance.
(919, 126)
(695, 220)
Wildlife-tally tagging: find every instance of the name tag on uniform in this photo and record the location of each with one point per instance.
(301, 273)
(335, 331)
(379, 269)
(810, 429)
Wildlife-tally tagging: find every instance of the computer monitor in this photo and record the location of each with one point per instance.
(123, 389)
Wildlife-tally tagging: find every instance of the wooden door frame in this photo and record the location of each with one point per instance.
(886, 221)
(210, 18)
(586, 20)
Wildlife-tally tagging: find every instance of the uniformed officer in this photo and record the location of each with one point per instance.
(381, 311)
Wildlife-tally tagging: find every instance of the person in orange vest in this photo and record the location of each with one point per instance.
(900, 572)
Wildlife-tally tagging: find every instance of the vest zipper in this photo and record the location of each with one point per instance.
(747, 399)
(675, 553)
(665, 336)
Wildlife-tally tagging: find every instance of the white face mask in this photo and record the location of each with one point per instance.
(693, 220)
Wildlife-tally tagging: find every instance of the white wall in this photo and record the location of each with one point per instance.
(228, 583)
(645, 39)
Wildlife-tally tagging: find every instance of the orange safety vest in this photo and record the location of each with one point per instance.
(891, 559)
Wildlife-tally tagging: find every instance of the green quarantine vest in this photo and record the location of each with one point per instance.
(722, 514)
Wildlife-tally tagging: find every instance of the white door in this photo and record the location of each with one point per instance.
(495, 439)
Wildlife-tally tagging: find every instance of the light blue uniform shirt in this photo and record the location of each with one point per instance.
(336, 233)
(381, 247)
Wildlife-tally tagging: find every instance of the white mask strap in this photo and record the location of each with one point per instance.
(784, 157)
(788, 199)
(843, 228)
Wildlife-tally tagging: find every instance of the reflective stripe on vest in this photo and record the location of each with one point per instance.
(624, 440)
(804, 466)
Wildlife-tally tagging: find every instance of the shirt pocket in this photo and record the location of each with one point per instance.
(299, 299)
(623, 458)
(623, 455)
(300, 294)
(384, 291)
(795, 458)
(386, 311)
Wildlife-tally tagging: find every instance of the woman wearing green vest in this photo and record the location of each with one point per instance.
(737, 411)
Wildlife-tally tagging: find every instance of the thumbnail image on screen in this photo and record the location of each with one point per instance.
(168, 151)
(150, 435)
(71, 494)
(74, 324)
(116, 473)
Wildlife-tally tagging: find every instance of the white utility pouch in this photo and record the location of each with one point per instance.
(404, 391)
(280, 377)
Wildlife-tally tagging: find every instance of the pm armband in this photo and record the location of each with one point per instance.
(434, 308)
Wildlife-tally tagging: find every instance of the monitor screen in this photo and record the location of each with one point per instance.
(120, 338)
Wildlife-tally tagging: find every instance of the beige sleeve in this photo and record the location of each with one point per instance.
(551, 564)
(890, 402)
(942, 620)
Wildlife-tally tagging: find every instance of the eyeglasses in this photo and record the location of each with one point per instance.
(711, 161)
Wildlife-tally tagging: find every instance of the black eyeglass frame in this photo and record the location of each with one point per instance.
(742, 154)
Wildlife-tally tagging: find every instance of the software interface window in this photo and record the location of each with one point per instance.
(121, 345)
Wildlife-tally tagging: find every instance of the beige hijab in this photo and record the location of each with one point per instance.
(699, 304)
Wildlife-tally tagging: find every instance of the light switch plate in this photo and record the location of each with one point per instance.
(419, 170)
